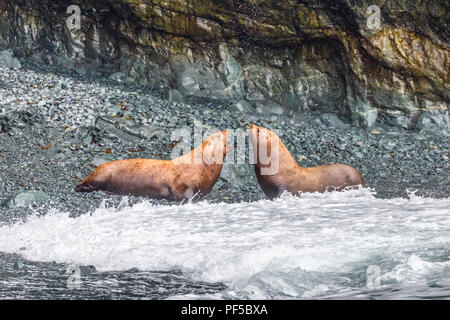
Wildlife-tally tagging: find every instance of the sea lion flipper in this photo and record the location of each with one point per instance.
(85, 187)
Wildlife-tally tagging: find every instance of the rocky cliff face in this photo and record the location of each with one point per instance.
(267, 56)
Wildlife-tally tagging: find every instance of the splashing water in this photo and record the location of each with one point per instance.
(315, 245)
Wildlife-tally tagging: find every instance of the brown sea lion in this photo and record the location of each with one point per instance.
(277, 171)
(190, 176)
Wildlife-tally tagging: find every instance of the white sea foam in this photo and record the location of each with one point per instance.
(294, 247)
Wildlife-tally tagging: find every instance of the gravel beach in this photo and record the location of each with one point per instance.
(56, 127)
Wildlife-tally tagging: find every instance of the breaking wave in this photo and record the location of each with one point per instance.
(314, 245)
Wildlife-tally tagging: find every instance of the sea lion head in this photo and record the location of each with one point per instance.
(215, 148)
(266, 149)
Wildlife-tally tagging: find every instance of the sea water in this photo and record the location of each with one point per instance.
(338, 245)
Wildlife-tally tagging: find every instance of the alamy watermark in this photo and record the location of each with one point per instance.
(74, 279)
(374, 17)
(263, 147)
(73, 22)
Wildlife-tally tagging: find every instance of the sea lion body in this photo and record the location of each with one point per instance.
(181, 178)
(293, 178)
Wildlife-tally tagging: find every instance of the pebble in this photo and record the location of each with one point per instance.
(18, 265)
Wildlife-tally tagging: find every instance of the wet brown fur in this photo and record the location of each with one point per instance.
(294, 178)
(177, 179)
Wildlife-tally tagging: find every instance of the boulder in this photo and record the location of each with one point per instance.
(8, 60)
(27, 198)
